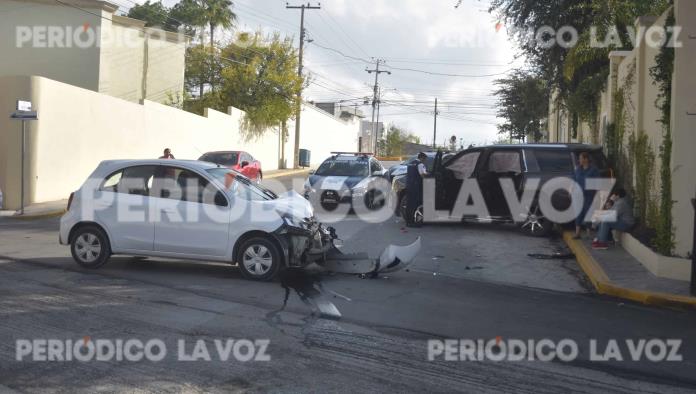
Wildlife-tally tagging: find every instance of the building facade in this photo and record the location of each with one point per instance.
(84, 43)
(630, 114)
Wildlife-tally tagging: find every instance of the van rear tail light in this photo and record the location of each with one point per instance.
(70, 200)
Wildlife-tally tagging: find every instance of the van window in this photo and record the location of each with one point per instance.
(553, 160)
(504, 161)
(464, 166)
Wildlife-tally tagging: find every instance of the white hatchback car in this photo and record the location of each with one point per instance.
(201, 211)
(190, 210)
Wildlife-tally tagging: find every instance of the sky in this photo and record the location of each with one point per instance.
(456, 37)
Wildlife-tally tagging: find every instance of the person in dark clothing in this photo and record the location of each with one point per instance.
(167, 154)
(621, 219)
(583, 172)
(414, 189)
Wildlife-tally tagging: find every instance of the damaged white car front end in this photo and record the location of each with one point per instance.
(304, 240)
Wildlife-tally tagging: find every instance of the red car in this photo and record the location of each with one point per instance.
(239, 161)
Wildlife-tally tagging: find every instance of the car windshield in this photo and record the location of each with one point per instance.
(343, 168)
(221, 158)
(240, 185)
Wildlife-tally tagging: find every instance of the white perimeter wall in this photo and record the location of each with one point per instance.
(78, 128)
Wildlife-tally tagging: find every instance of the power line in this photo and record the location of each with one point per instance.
(448, 74)
(360, 49)
(341, 53)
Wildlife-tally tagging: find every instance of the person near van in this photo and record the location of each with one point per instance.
(621, 219)
(414, 186)
(422, 171)
(585, 170)
(167, 154)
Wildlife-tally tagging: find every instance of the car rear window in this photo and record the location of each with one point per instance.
(223, 159)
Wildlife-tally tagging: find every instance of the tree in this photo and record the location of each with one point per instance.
(198, 14)
(393, 144)
(261, 79)
(523, 102)
(218, 13)
(155, 14)
(203, 68)
(189, 16)
(578, 73)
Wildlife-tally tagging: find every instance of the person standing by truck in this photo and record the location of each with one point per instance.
(584, 171)
(414, 181)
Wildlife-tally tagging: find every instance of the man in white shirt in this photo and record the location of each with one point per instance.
(421, 165)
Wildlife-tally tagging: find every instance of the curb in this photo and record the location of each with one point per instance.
(45, 215)
(286, 173)
(600, 280)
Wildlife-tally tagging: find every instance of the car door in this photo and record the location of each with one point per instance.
(123, 206)
(194, 214)
(500, 164)
(247, 170)
(448, 181)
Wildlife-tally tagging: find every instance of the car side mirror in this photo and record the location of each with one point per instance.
(377, 173)
(245, 163)
(220, 199)
(311, 172)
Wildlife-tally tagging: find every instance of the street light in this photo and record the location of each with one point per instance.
(23, 113)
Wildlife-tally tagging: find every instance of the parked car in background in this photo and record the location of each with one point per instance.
(345, 176)
(489, 164)
(239, 161)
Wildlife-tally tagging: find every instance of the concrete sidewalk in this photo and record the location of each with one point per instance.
(38, 210)
(279, 173)
(616, 273)
(57, 208)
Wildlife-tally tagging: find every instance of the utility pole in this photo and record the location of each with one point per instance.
(435, 125)
(302, 9)
(375, 95)
(379, 100)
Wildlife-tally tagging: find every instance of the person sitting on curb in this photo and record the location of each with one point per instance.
(621, 219)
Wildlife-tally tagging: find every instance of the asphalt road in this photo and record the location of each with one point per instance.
(329, 333)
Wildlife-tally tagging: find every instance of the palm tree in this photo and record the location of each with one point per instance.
(210, 13)
(218, 13)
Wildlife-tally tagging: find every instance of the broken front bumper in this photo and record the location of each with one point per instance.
(314, 243)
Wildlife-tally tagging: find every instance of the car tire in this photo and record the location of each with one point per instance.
(259, 259)
(536, 224)
(90, 247)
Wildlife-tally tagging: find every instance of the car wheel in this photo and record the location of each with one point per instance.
(259, 259)
(536, 224)
(90, 247)
(374, 200)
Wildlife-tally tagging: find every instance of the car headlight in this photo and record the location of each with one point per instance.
(308, 187)
(359, 191)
